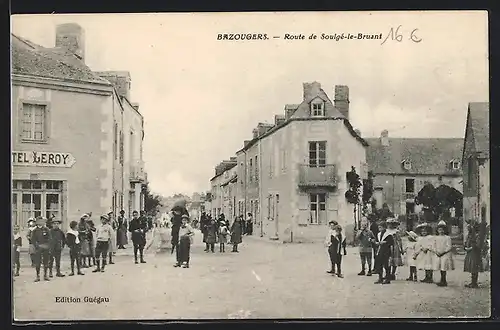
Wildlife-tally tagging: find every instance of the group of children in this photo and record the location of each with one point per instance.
(221, 232)
(46, 242)
(423, 251)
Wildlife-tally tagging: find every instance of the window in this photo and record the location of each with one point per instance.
(317, 154)
(36, 198)
(250, 171)
(407, 165)
(455, 165)
(256, 170)
(34, 122)
(317, 109)
(317, 205)
(410, 185)
(115, 141)
(470, 172)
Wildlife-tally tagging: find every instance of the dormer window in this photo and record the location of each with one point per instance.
(455, 164)
(318, 109)
(406, 164)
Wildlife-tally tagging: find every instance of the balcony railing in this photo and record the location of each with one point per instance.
(323, 176)
(137, 172)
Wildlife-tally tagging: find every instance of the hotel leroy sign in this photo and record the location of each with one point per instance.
(42, 158)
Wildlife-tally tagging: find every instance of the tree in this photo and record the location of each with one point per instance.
(438, 201)
(367, 191)
(152, 202)
(353, 194)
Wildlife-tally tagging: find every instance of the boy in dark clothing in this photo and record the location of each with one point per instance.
(57, 243)
(335, 243)
(73, 242)
(385, 244)
(365, 238)
(138, 228)
(40, 238)
(17, 242)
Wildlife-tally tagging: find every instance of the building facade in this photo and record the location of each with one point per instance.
(69, 150)
(402, 166)
(292, 175)
(476, 164)
(220, 197)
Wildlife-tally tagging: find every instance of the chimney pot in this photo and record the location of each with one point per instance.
(341, 100)
(120, 80)
(71, 37)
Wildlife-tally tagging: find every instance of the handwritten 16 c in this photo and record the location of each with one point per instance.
(396, 35)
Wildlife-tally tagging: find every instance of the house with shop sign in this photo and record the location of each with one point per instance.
(476, 164)
(402, 166)
(76, 136)
(292, 174)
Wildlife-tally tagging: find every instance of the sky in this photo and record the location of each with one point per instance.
(201, 97)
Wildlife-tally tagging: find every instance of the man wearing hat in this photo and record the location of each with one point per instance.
(104, 232)
(121, 234)
(138, 228)
(31, 227)
(40, 238)
(57, 243)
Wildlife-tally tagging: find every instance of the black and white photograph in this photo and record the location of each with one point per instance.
(250, 165)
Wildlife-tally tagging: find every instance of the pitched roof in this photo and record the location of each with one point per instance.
(34, 60)
(304, 109)
(480, 124)
(427, 156)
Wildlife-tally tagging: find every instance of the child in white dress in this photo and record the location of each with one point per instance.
(410, 252)
(424, 254)
(443, 260)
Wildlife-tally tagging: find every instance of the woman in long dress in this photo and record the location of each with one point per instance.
(211, 235)
(121, 232)
(236, 232)
(473, 263)
(397, 251)
(84, 235)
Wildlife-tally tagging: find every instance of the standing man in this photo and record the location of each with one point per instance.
(178, 211)
(138, 229)
(122, 231)
(249, 224)
(57, 243)
(41, 240)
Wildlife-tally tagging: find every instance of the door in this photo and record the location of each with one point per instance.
(317, 208)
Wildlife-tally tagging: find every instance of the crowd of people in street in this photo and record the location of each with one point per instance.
(90, 245)
(381, 246)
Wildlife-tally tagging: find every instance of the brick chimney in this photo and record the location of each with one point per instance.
(384, 138)
(71, 37)
(120, 80)
(341, 101)
(263, 128)
(289, 110)
(279, 119)
(311, 89)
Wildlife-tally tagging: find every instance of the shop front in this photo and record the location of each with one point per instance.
(39, 186)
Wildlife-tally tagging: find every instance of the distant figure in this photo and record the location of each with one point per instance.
(121, 232)
(236, 233)
(211, 235)
(249, 225)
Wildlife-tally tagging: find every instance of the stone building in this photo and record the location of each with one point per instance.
(76, 136)
(221, 201)
(292, 174)
(402, 166)
(476, 163)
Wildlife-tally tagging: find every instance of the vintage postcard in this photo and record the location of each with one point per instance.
(257, 165)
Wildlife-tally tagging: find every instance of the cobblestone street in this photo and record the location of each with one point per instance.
(264, 280)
